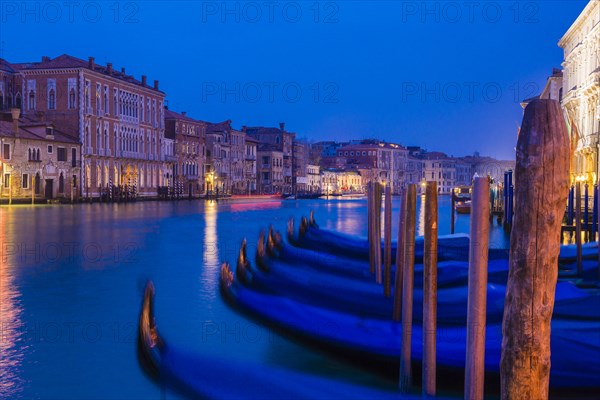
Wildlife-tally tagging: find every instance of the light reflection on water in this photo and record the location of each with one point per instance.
(177, 245)
(11, 352)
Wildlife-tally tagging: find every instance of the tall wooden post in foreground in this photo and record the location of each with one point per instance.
(477, 289)
(430, 290)
(378, 197)
(407, 288)
(371, 234)
(400, 249)
(542, 186)
(387, 243)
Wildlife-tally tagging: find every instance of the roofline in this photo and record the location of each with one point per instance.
(582, 16)
(25, 71)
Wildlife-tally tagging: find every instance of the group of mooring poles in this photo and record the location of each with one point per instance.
(404, 278)
(578, 220)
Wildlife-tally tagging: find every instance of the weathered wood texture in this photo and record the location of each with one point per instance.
(387, 243)
(378, 198)
(371, 225)
(397, 309)
(407, 288)
(542, 185)
(430, 290)
(477, 289)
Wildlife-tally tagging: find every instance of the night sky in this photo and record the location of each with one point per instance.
(446, 76)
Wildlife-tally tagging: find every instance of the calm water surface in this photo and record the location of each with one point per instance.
(71, 281)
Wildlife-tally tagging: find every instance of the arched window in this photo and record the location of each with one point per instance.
(51, 100)
(17, 101)
(29, 154)
(61, 183)
(38, 155)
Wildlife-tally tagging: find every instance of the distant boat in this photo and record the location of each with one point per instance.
(464, 207)
(462, 193)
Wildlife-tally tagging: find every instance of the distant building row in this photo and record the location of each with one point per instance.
(71, 128)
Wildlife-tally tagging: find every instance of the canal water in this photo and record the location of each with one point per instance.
(72, 277)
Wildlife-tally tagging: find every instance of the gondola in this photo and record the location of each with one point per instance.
(450, 272)
(204, 376)
(365, 297)
(310, 236)
(575, 344)
(450, 247)
(346, 294)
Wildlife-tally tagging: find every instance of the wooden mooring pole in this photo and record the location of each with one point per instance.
(477, 289)
(542, 186)
(371, 218)
(378, 198)
(430, 290)
(452, 211)
(400, 249)
(578, 226)
(387, 243)
(407, 288)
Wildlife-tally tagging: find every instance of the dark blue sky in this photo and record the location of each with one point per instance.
(443, 75)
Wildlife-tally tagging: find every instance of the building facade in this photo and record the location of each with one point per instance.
(313, 176)
(118, 119)
(270, 170)
(188, 137)
(278, 139)
(37, 161)
(581, 90)
(250, 177)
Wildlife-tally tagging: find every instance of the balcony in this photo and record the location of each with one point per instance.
(34, 161)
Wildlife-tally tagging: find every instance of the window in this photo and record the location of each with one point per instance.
(38, 184)
(72, 85)
(98, 100)
(50, 149)
(6, 151)
(32, 100)
(61, 183)
(73, 157)
(6, 180)
(72, 99)
(52, 100)
(61, 154)
(25, 181)
(106, 108)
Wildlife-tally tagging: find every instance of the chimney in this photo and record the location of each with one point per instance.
(282, 126)
(49, 132)
(15, 114)
(92, 63)
(123, 70)
(155, 84)
(109, 68)
(144, 79)
(45, 58)
(244, 128)
(183, 113)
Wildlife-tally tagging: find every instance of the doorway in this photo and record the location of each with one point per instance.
(49, 189)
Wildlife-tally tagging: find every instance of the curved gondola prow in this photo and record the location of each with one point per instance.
(290, 232)
(274, 243)
(261, 253)
(303, 227)
(311, 220)
(243, 265)
(149, 341)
